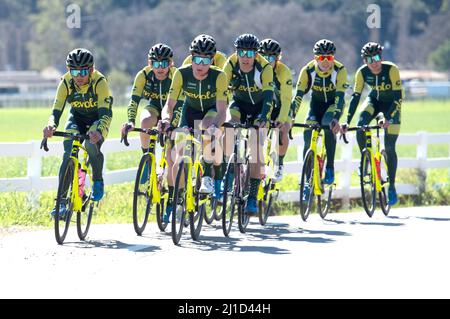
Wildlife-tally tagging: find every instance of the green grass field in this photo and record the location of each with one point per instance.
(25, 124)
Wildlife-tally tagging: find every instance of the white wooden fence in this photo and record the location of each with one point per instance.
(35, 183)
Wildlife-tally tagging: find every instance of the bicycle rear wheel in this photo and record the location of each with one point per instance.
(244, 188)
(384, 179)
(179, 202)
(196, 218)
(63, 216)
(366, 181)
(324, 200)
(307, 186)
(142, 196)
(229, 195)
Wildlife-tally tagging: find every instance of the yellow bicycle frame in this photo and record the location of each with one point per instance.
(374, 157)
(190, 202)
(154, 190)
(75, 196)
(260, 195)
(313, 147)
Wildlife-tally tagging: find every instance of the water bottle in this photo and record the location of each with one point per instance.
(81, 181)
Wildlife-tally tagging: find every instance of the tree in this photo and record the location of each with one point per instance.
(439, 58)
(51, 39)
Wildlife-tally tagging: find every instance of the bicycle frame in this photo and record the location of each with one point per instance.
(262, 195)
(375, 158)
(190, 151)
(313, 147)
(75, 196)
(155, 191)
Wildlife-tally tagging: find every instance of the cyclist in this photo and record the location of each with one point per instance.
(87, 92)
(153, 83)
(205, 90)
(219, 58)
(271, 51)
(251, 82)
(385, 96)
(327, 80)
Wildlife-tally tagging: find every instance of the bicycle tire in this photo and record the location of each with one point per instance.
(142, 193)
(324, 200)
(160, 210)
(84, 218)
(306, 204)
(366, 183)
(179, 200)
(265, 205)
(210, 211)
(243, 217)
(196, 218)
(383, 195)
(229, 197)
(63, 197)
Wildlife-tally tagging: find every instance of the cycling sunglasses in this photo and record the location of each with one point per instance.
(270, 58)
(160, 64)
(375, 58)
(76, 72)
(248, 53)
(325, 57)
(201, 59)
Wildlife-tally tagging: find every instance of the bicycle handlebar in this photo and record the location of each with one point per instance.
(124, 137)
(74, 136)
(359, 128)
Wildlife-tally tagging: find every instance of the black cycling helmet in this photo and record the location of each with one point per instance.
(324, 47)
(203, 44)
(371, 49)
(247, 42)
(160, 51)
(269, 47)
(80, 58)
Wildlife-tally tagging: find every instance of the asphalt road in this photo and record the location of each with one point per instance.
(348, 255)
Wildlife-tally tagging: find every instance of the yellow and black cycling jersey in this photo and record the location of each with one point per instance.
(326, 87)
(283, 90)
(92, 101)
(219, 60)
(386, 87)
(147, 86)
(255, 87)
(199, 94)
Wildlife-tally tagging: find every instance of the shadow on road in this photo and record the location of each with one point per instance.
(436, 219)
(113, 244)
(355, 222)
(275, 232)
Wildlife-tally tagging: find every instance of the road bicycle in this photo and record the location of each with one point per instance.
(150, 189)
(311, 182)
(74, 189)
(373, 171)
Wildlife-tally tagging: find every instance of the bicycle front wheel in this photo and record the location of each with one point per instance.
(265, 205)
(142, 196)
(368, 193)
(384, 179)
(179, 202)
(244, 188)
(84, 217)
(196, 218)
(64, 204)
(229, 195)
(307, 186)
(324, 200)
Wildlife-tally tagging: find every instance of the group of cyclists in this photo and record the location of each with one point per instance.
(251, 86)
